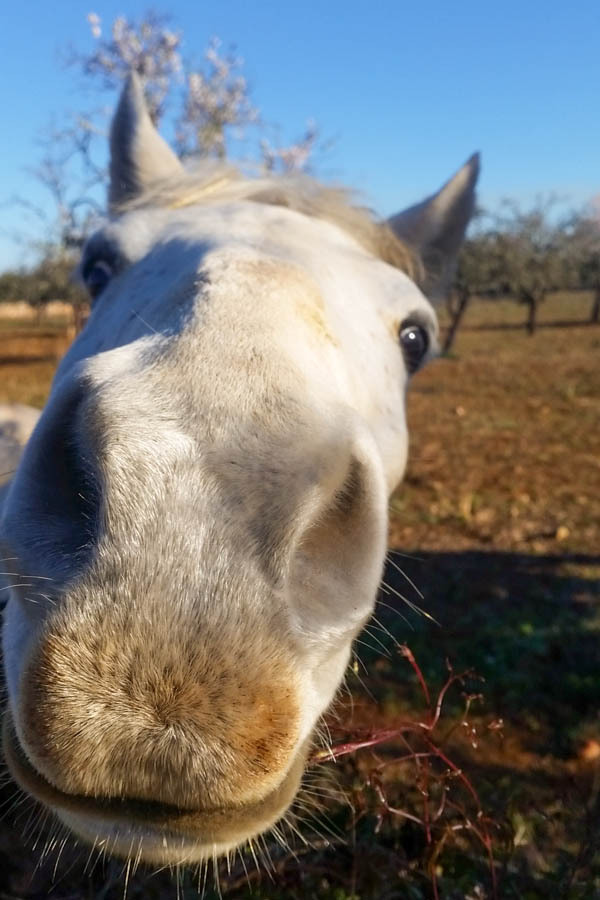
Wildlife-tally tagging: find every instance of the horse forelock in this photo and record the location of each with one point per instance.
(209, 183)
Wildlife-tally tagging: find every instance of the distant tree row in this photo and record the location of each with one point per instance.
(519, 254)
(525, 254)
(50, 279)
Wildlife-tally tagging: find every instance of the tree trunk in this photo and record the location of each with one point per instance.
(457, 312)
(450, 305)
(595, 314)
(532, 305)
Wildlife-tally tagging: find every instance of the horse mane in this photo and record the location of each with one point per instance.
(213, 182)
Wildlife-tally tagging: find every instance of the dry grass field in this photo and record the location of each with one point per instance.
(497, 526)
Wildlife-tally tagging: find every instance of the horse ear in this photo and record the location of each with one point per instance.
(436, 227)
(139, 157)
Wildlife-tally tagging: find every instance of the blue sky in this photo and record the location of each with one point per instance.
(408, 90)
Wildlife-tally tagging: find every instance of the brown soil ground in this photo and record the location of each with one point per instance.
(497, 525)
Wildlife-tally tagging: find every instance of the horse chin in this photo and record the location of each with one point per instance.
(154, 832)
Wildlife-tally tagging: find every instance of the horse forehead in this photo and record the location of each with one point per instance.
(240, 275)
(243, 222)
(257, 285)
(265, 258)
(179, 238)
(243, 312)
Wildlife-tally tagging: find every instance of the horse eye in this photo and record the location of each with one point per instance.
(414, 341)
(96, 276)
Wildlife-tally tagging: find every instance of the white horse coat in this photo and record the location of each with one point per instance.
(199, 519)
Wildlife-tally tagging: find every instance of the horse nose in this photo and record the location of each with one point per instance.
(140, 710)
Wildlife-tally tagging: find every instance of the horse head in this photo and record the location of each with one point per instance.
(199, 519)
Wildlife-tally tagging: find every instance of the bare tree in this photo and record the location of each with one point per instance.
(525, 254)
(530, 254)
(203, 107)
(584, 237)
(212, 100)
(475, 275)
(216, 100)
(148, 47)
(293, 158)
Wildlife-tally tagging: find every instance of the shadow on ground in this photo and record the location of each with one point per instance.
(530, 625)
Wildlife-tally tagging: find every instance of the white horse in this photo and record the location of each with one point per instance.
(197, 526)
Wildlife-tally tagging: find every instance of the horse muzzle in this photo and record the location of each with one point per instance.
(154, 832)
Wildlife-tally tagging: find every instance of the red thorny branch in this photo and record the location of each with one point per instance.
(425, 748)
